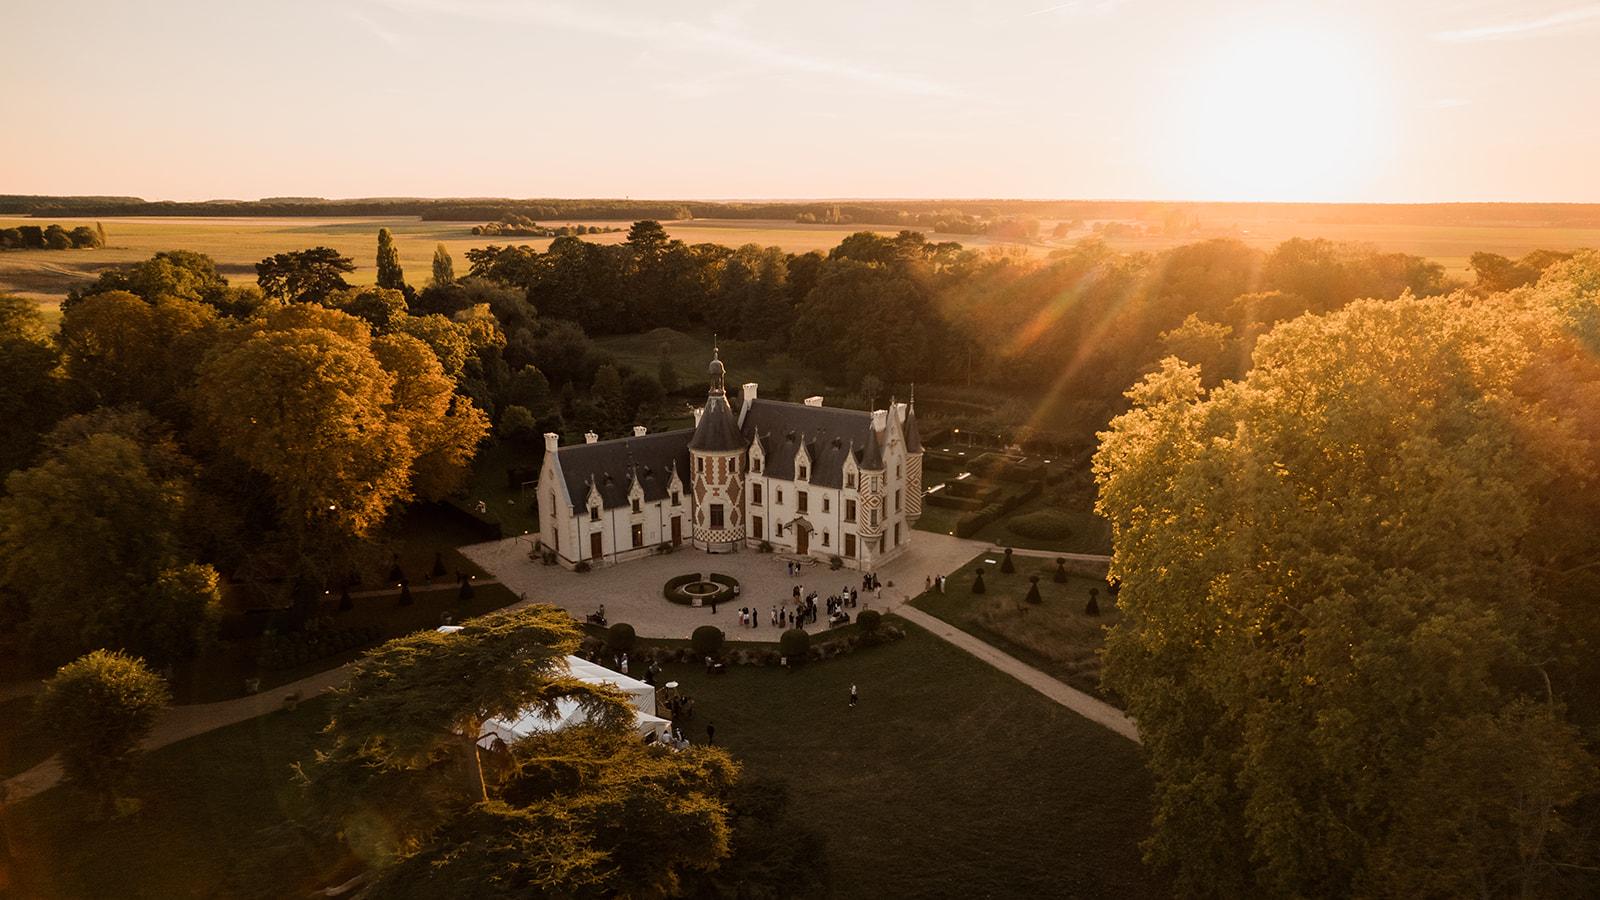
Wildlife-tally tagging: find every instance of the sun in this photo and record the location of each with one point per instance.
(1276, 112)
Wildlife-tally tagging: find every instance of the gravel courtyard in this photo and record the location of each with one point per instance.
(631, 591)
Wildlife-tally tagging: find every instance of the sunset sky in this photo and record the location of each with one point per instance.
(1432, 100)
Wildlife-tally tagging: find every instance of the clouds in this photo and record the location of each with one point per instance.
(1555, 23)
(721, 35)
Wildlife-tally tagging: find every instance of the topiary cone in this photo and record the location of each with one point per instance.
(1061, 570)
(1033, 590)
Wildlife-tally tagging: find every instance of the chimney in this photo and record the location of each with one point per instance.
(698, 412)
(749, 392)
(639, 430)
(813, 401)
(880, 419)
(551, 441)
(590, 437)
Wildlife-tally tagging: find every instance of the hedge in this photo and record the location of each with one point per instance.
(1044, 524)
(674, 588)
(285, 651)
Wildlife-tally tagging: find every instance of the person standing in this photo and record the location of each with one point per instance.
(854, 696)
(711, 734)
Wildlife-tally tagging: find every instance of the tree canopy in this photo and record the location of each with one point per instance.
(101, 706)
(1357, 591)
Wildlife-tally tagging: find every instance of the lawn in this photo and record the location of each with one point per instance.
(217, 821)
(949, 779)
(690, 352)
(1055, 636)
(21, 747)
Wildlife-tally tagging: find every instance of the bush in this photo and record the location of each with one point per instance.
(977, 583)
(286, 651)
(1033, 590)
(974, 522)
(795, 644)
(707, 640)
(869, 620)
(620, 637)
(764, 547)
(100, 707)
(1007, 567)
(1042, 524)
(835, 563)
(1061, 570)
(582, 566)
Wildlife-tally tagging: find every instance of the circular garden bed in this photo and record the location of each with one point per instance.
(696, 589)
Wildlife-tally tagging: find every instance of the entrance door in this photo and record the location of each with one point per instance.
(677, 530)
(595, 548)
(802, 541)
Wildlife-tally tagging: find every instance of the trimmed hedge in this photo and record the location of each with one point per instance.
(707, 639)
(674, 588)
(1044, 524)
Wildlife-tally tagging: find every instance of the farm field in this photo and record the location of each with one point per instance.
(238, 243)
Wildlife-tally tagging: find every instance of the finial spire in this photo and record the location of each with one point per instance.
(913, 403)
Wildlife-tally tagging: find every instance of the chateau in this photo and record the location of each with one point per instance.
(804, 478)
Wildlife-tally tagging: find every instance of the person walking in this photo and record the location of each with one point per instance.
(854, 696)
(711, 734)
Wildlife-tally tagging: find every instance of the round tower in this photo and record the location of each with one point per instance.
(913, 462)
(870, 518)
(716, 463)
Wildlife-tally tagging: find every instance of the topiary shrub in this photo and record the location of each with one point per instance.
(405, 595)
(1092, 608)
(707, 640)
(620, 637)
(1042, 524)
(764, 547)
(1061, 570)
(835, 563)
(1033, 590)
(869, 620)
(582, 566)
(1006, 565)
(795, 644)
(977, 583)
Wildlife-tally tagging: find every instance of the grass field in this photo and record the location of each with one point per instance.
(950, 779)
(1055, 636)
(238, 243)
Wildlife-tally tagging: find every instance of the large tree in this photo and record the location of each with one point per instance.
(119, 348)
(32, 396)
(390, 275)
(444, 268)
(183, 274)
(98, 709)
(1357, 590)
(304, 276)
(95, 546)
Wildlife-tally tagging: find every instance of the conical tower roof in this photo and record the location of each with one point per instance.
(718, 428)
(913, 438)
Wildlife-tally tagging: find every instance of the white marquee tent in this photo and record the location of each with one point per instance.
(569, 713)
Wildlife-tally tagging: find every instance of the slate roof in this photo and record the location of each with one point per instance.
(612, 464)
(717, 430)
(913, 437)
(829, 433)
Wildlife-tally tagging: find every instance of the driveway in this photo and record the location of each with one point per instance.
(631, 591)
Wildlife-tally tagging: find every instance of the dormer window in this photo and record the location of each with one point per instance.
(850, 481)
(675, 498)
(636, 506)
(594, 513)
(802, 472)
(755, 464)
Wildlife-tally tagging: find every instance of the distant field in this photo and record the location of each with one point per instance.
(238, 243)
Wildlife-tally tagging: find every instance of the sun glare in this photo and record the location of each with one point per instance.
(1277, 113)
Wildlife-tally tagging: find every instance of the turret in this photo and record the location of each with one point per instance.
(913, 441)
(716, 460)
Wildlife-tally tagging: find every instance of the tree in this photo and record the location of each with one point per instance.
(118, 348)
(57, 238)
(101, 707)
(444, 268)
(390, 275)
(517, 426)
(608, 397)
(1353, 589)
(667, 374)
(32, 396)
(586, 813)
(442, 427)
(707, 640)
(304, 276)
(84, 237)
(108, 495)
(182, 274)
(413, 709)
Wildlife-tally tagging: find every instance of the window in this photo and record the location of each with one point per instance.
(755, 493)
(897, 471)
(638, 535)
(850, 481)
(756, 522)
(594, 513)
(824, 504)
(872, 517)
(755, 463)
(700, 463)
(897, 500)
(849, 545)
(849, 510)
(897, 534)
(802, 473)
(780, 495)
(824, 539)
(675, 500)
(800, 501)
(636, 506)
(716, 515)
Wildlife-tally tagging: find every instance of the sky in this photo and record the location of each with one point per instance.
(1362, 100)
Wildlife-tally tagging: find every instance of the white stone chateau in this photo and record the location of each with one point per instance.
(808, 479)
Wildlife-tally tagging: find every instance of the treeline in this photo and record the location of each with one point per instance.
(957, 214)
(516, 225)
(52, 237)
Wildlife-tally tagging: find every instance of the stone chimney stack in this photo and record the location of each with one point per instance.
(698, 412)
(639, 431)
(590, 437)
(551, 441)
(813, 401)
(749, 392)
(880, 419)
